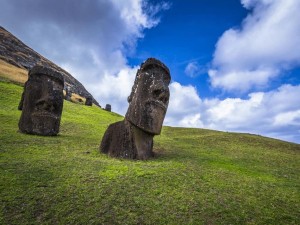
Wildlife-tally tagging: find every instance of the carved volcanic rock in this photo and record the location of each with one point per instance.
(15, 52)
(132, 138)
(42, 102)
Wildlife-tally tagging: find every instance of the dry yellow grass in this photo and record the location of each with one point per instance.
(19, 75)
(77, 98)
(12, 72)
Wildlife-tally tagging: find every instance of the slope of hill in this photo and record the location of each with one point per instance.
(198, 176)
(16, 53)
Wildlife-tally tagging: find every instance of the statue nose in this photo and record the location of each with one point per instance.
(46, 103)
(161, 93)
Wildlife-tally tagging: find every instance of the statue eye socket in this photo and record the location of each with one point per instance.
(156, 92)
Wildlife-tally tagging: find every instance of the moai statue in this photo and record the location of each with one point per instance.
(108, 107)
(133, 137)
(42, 102)
(89, 101)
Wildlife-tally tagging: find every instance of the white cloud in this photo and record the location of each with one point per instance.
(114, 90)
(193, 69)
(291, 118)
(191, 121)
(241, 80)
(183, 106)
(265, 46)
(275, 113)
(90, 40)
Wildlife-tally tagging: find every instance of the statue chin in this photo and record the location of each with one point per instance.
(150, 117)
(45, 124)
(44, 115)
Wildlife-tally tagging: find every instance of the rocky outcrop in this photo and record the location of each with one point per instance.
(15, 52)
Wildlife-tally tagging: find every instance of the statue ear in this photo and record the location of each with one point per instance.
(20, 107)
(129, 98)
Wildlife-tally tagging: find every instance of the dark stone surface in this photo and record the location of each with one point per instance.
(118, 141)
(124, 140)
(89, 101)
(20, 106)
(148, 102)
(108, 107)
(149, 97)
(68, 94)
(15, 52)
(42, 102)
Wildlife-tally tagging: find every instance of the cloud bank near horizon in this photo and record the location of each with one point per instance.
(274, 113)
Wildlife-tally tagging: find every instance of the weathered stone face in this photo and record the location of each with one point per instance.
(133, 137)
(42, 102)
(149, 98)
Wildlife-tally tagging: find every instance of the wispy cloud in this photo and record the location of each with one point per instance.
(193, 69)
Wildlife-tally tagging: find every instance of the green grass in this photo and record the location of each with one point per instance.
(198, 176)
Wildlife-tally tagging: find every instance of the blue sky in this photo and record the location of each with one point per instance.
(187, 33)
(235, 64)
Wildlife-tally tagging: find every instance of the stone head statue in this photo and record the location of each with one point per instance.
(149, 97)
(133, 137)
(89, 101)
(108, 107)
(42, 102)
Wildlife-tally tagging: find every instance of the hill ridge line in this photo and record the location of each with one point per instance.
(17, 53)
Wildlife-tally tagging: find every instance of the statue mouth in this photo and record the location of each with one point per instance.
(46, 114)
(160, 98)
(158, 103)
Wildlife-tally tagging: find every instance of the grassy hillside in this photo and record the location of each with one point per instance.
(198, 177)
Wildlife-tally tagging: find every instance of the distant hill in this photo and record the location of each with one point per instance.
(198, 176)
(16, 53)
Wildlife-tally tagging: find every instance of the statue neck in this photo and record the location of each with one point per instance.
(143, 142)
